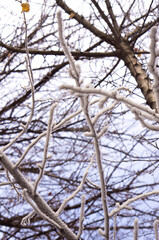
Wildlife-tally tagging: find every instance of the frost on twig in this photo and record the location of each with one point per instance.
(125, 204)
(7, 183)
(37, 210)
(98, 115)
(31, 81)
(114, 227)
(93, 184)
(57, 126)
(77, 190)
(26, 220)
(141, 112)
(84, 101)
(156, 223)
(74, 69)
(13, 185)
(136, 228)
(48, 134)
(142, 117)
(153, 65)
(81, 219)
(36, 201)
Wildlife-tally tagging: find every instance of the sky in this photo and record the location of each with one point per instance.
(12, 6)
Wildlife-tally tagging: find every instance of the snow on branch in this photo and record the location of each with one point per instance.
(81, 219)
(77, 190)
(125, 204)
(140, 111)
(56, 127)
(153, 65)
(136, 228)
(84, 101)
(35, 200)
(26, 220)
(37, 210)
(48, 134)
(156, 223)
(74, 70)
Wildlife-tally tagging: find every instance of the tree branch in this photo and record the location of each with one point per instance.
(39, 201)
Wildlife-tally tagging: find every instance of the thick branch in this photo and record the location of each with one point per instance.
(37, 199)
(107, 38)
(143, 81)
(126, 54)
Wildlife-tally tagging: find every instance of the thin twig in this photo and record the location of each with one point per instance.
(77, 190)
(56, 127)
(113, 95)
(156, 222)
(81, 219)
(75, 73)
(49, 130)
(26, 220)
(31, 79)
(131, 200)
(136, 228)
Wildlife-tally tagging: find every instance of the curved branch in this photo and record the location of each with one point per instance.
(37, 199)
(107, 38)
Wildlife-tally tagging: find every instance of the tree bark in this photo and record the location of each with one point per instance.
(38, 200)
(137, 71)
(126, 53)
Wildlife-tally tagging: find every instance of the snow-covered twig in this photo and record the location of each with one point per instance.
(77, 190)
(114, 95)
(13, 185)
(114, 227)
(37, 210)
(81, 219)
(156, 223)
(142, 116)
(73, 67)
(93, 184)
(31, 80)
(26, 220)
(125, 205)
(49, 130)
(152, 65)
(56, 127)
(7, 183)
(104, 110)
(136, 228)
(39, 202)
(75, 73)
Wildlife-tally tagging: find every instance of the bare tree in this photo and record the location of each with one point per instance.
(79, 120)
